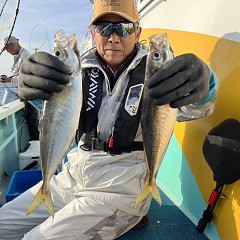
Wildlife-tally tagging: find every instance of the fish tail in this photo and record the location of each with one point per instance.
(156, 194)
(43, 195)
(147, 189)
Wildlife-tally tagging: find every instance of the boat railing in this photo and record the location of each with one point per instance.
(13, 136)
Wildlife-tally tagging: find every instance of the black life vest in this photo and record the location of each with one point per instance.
(126, 126)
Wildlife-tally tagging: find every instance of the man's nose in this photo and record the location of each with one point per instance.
(114, 38)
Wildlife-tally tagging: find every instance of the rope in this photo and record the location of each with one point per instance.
(38, 30)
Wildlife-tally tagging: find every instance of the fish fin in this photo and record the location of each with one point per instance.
(42, 196)
(156, 194)
(147, 189)
(49, 203)
(38, 199)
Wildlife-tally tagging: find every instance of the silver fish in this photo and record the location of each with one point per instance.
(60, 119)
(157, 121)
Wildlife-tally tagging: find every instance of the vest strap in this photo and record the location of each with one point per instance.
(94, 143)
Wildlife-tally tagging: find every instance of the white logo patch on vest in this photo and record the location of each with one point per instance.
(133, 99)
(93, 89)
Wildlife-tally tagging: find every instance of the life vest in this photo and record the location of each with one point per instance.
(127, 122)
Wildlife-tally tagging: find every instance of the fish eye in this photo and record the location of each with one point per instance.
(58, 53)
(156, 56)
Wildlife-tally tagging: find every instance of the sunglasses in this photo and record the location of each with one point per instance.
(122, 28)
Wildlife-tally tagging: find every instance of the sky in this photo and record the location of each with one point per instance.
(39, 20)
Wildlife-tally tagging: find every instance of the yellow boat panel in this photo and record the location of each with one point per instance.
(224, 58)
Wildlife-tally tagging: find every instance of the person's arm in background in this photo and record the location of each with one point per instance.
(16, 69)
(5, 79)
(15, 73)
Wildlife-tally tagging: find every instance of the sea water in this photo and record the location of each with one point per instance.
(8, 93)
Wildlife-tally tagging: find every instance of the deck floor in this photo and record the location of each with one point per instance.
(166, 222)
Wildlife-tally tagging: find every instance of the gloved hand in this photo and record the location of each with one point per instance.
(180, 82)
(40, 75)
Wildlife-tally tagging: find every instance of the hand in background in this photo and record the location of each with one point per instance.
(5, 79)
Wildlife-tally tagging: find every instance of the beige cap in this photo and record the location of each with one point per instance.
(12, 39)
(124, 8)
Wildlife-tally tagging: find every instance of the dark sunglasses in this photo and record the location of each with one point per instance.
(122, 28)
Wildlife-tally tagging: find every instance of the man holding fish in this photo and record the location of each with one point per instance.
(98, 195)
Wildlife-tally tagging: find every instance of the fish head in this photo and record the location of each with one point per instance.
(66, 50)
(160, 51)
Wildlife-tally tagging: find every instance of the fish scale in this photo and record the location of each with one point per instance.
(157, 122)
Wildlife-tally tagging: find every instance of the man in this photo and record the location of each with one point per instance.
(13, 47)
(19, 53)
(95, 193)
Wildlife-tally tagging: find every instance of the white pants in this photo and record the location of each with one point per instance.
(93, 198)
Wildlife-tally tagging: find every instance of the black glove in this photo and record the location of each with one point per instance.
(40, 75)
(180, 82)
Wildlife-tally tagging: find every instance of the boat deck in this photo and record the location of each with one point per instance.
(165, 223)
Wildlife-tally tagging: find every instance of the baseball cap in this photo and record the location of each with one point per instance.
(12, 39)
(124, 8)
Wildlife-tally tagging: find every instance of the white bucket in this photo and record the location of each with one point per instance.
(9, 96)
(30, 155)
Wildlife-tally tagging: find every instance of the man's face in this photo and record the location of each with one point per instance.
(114, 49)
(11, 48)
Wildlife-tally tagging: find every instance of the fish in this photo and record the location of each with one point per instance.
(59, 120)
(157, 122)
